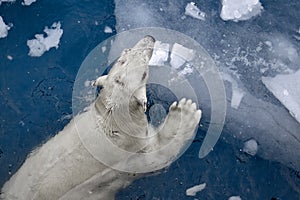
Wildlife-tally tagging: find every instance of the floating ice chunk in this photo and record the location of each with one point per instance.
(28, 2)
(42, 44)
(238, 10)
(3, 1)
(286, 88)
(250, 147)
(193, 190)
(237, 93)
(9, 57)
(192, 10)
(160, 53)
(235, 198)
(107, 29)
(180, 55)
(3, 28)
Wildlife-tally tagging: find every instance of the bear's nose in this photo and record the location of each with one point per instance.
(149, 37)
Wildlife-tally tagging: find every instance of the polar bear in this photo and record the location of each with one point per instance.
(63, 168)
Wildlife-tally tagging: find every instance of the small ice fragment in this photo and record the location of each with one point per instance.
(8, 1)
(9, 57)
(103, 49)
(22, 123)
(250, 147)
(269, 43)
(3, 28)
(107, 29)
(160, 53)
(180, 55)
(237, 10)
(28, 2)
(235, 198)
(192, 10)
(237, 93)
(237, 96)
(193, 190)
(41, 44)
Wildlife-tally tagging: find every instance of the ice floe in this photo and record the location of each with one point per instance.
(28, 2)
(286, 88)
(9, 57)
(180, 55)
(235, 198)
(4, 28)
(160, 53)
(192, 10)
(108, 29)
(41, 44)
(250, 147)
(237, 10)
(193, 190)
(9, 1)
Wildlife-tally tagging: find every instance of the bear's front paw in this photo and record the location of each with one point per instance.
(182, 119)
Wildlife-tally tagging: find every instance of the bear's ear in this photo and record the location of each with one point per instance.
(100, 81)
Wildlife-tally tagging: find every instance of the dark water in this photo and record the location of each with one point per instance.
(35, 102)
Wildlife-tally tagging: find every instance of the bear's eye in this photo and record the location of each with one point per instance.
(122, 62)
(119, 82)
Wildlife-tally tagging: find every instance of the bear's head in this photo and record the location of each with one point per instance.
(123, 93)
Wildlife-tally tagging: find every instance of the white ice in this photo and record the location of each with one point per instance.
(237, 93)
(42, 44)
(3, 28)
(250, 147)
(193, 190)
(180, 55)
(286, 88)
(187, 70)
(28, 2)
(192, 10)
(235, 198)
(238, 10)
(108, 29)
(160, 53)
(3, 1)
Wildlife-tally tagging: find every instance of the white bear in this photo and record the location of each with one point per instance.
(63, 168)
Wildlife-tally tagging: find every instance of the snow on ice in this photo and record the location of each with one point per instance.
(42, 44)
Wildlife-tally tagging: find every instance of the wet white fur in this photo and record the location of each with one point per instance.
(63, 168)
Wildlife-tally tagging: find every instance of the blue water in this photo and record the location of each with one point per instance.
(35, 96)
